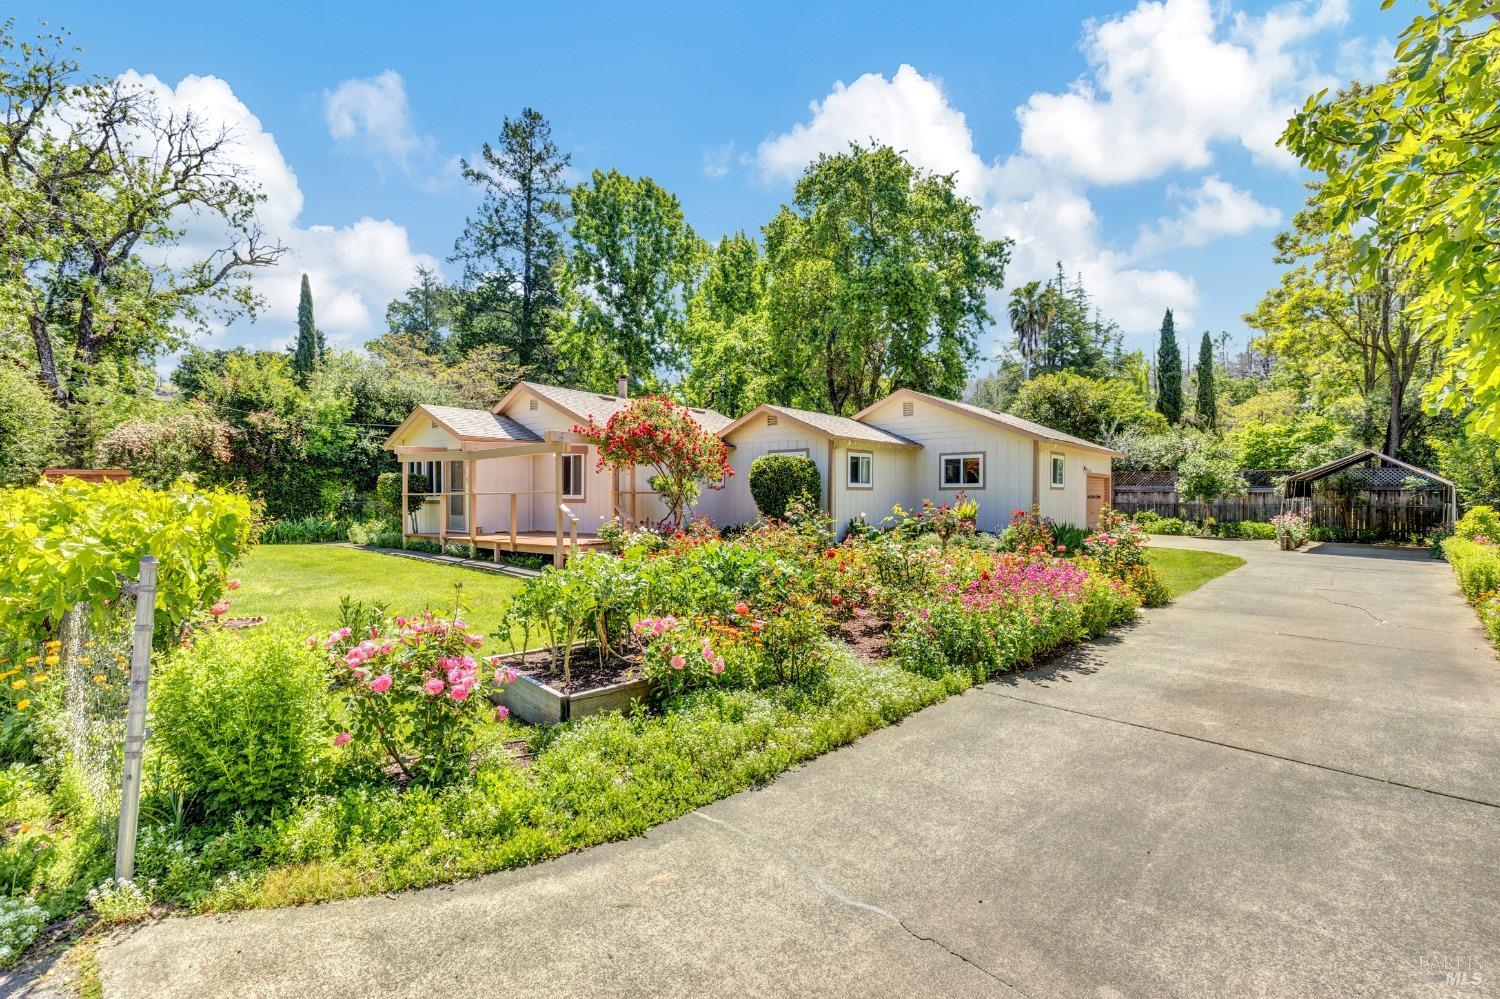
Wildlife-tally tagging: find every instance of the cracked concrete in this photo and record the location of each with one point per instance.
(1255, 792)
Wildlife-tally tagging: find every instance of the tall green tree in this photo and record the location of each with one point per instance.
(92, 173)
(877, 279)
(425, 311)
(1206, 401)
(1031, 312)
(1092, 408)
(626, 281)
(1076, 336)
(726, 330)
(512, 245)
(1419, 154)
(309, 348)
(1169, 372)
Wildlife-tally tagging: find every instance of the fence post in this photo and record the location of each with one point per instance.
(135, 718)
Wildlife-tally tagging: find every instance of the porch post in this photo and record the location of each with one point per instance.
(472, 505)
(404, 515)
(443, 505)
(558, 554)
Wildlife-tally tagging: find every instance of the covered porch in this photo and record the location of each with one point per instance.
(540, 497)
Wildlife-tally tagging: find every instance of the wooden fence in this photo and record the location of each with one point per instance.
(1385, 516)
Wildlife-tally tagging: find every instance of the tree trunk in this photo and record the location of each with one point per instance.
(42, 340)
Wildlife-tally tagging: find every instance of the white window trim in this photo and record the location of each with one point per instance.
(849, 482)
(943, 482)
(1052, 472)
(580, 480)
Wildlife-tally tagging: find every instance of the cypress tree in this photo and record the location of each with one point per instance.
(1207, 402)
(1169, 373)
(308, 352)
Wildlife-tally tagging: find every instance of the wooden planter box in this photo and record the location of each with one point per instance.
(533, 701)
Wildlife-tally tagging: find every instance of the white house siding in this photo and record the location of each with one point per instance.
(733, 504)
(892, 475)
(1068, 505)
(1007, 464)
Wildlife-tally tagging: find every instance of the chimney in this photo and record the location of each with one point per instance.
(623, 387)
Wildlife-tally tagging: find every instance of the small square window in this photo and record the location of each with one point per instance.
(963, 471)
(1059, 471)
(861, 470)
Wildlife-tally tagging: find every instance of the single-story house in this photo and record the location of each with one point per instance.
(516, 477)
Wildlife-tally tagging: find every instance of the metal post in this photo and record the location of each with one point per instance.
(135, 718)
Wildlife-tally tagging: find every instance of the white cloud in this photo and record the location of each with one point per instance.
(1213, 209)
(1169, 80)
(716, 160)
(374, 112)
(355, 270)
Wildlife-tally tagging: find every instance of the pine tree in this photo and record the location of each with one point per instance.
(308, 351)
(1207, 402)
(1169, 373)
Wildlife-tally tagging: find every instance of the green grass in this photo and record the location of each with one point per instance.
(1184, 570)
(300, 586)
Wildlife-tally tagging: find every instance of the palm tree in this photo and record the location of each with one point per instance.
(1030, 317)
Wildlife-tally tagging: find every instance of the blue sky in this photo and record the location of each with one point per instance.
(1135, 142)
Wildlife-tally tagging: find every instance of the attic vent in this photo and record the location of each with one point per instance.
(532, 406)
(906, 409)
(434, 424)
(772, 420)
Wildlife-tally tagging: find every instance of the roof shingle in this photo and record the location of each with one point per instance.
(481, 424)
(601, 407)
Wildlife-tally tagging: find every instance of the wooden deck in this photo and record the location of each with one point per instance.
(533, 542)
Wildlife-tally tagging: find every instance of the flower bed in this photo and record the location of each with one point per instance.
(1474, 553)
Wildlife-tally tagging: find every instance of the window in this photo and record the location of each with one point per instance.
(1059, 470)
(800, 452)
(861, 470)
(572, 475)
(962, 471)
(424, 477)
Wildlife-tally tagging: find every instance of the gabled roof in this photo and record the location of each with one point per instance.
(841, 427)
(583, 405)
(1025, 428)
(469, 424)
(1327, 469)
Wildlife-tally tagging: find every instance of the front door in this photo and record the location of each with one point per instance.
(1098, 488)
(457, 499)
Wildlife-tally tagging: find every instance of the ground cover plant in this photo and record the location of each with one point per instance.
(1474, 553)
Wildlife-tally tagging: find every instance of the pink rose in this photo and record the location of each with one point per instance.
(718, 666)
(219, 608)
(381, 683)
(342, 739)
(344, 632)
(233, 584)
(434, 686)
(459, 693)
(502, 713)
(708, 653)
(678, 662)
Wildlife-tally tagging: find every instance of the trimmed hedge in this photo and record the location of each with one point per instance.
(778, 480)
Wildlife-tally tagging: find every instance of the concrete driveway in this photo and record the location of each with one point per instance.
(1288, 783)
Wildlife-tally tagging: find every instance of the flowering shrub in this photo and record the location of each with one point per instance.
(413, 689)
(1478, 522)
(657, 432)
(1029, 531)
(1291, 529)
(121, 901)
(946, 520)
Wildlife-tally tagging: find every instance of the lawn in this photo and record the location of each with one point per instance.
(1185, 570)
(300, 585)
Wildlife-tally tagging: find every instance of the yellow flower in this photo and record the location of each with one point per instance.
(33, 660)
(21, 705)
(18, 684)
(39, 678)
(98, 677)
(89, 644)
(52, 646)
(51, 660)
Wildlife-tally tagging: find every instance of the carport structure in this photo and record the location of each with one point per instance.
(1373, 472)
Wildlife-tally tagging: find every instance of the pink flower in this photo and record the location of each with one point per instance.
(502, 713)
(668, 623)
(381, 683)
(678, 662)
(708, 653)
(344, 632)
(459, 693)
(434, 686)
(233, 584)
(718, 666)
(219, 608)
(742, 608)
(342, 739)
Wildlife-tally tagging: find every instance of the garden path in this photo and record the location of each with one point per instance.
(1284, 784)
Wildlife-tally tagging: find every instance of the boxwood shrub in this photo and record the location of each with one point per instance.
(777, 480)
